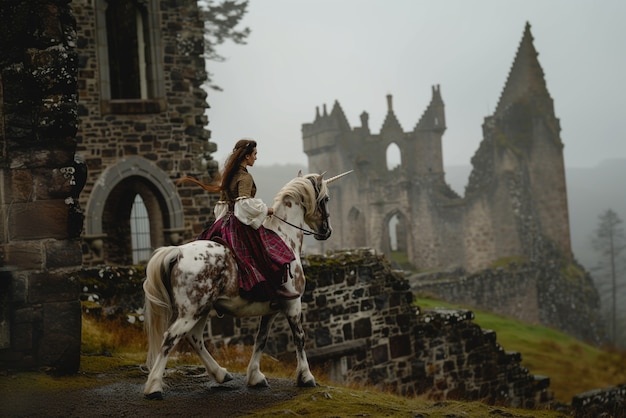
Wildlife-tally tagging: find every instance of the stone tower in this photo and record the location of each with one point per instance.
(515, 200)
(142, 126)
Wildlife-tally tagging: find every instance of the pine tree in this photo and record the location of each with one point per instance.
(220, 24)
(610, 242)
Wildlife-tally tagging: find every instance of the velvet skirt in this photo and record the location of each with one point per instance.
(262, 256)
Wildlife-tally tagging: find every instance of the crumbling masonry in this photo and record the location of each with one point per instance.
(515, 203)
(516, 194)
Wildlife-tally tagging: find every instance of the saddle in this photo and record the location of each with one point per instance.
(251, 296)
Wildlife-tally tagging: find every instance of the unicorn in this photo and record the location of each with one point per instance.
(184, 283)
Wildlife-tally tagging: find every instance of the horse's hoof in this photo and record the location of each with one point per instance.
(308, 384)
(227, 378)
(262, 384)
(154, 396)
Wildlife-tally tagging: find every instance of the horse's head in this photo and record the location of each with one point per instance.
(311, 193)
(317, 216)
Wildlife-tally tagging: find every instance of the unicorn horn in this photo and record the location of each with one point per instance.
(330, 180)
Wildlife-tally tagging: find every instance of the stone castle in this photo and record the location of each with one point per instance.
(141, 70)
(101, 109)
(514, 203)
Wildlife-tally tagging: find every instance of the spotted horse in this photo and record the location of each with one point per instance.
(184, 283)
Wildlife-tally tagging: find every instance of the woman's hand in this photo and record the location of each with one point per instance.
(270, 211)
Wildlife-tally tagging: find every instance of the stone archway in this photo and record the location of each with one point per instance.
(109, 205)
(395, 237)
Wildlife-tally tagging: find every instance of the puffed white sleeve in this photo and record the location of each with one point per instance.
(250, 211)
(220, 209)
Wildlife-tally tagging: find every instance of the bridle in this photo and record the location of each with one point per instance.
(324, 213)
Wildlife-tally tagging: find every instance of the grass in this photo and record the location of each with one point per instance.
(103, 336)
(573, 366)
(337, 401)
(326, 400)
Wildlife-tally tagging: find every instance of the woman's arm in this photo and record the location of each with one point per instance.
(251, 211)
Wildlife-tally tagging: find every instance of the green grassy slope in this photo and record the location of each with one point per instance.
(573, 366)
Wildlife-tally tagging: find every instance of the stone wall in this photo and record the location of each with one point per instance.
(362, 325)
(362, 328)
(608, 402)
(141, 146)
(555, 292)
(40, 181)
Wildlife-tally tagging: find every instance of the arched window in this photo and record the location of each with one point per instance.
(130, 56)
(127, 35)
(393, 233)
(394, 158)
(395, 240)
(108, 211)
(140, 231)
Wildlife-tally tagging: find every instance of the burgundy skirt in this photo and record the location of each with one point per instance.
(262, 256)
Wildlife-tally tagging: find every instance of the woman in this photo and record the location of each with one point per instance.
(262, 256)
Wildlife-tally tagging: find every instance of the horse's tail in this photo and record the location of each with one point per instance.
(158, 310)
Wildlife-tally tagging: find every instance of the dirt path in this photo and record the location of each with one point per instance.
(188, 395)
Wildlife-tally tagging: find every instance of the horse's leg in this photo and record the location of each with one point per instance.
(293, 312)
(196, 339)
(255, 377)
(154, 385)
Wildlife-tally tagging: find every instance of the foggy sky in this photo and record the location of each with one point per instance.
(306, 53)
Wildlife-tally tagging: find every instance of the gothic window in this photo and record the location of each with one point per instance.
(130, 56)
(394, 158)
(393, 233)
(395, 239)
(132, 221)
(133, 208)
(140, 231)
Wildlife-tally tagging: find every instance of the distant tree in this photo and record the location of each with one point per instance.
(610, 242)
(221, 19)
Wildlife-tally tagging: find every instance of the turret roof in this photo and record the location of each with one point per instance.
(526, 75)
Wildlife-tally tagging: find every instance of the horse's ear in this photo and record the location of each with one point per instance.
(320, 179)
(299, 173)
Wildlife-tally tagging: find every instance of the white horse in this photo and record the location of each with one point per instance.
(183, 283)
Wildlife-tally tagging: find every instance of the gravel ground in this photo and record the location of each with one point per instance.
(188, 394)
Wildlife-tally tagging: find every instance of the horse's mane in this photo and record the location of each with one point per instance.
(302, 188)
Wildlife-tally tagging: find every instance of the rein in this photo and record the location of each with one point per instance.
(306, 231)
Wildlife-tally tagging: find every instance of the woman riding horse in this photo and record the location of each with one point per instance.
(262, 256)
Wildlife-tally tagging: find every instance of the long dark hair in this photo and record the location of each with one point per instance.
(242, 149)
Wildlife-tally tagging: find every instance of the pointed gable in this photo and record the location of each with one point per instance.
(434, 117)
(339, 119)
(526, 76)
(391, 122)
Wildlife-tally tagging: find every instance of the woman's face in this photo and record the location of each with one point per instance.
(251, 158)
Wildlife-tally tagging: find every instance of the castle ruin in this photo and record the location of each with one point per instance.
(515, 201)
(101, 109)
